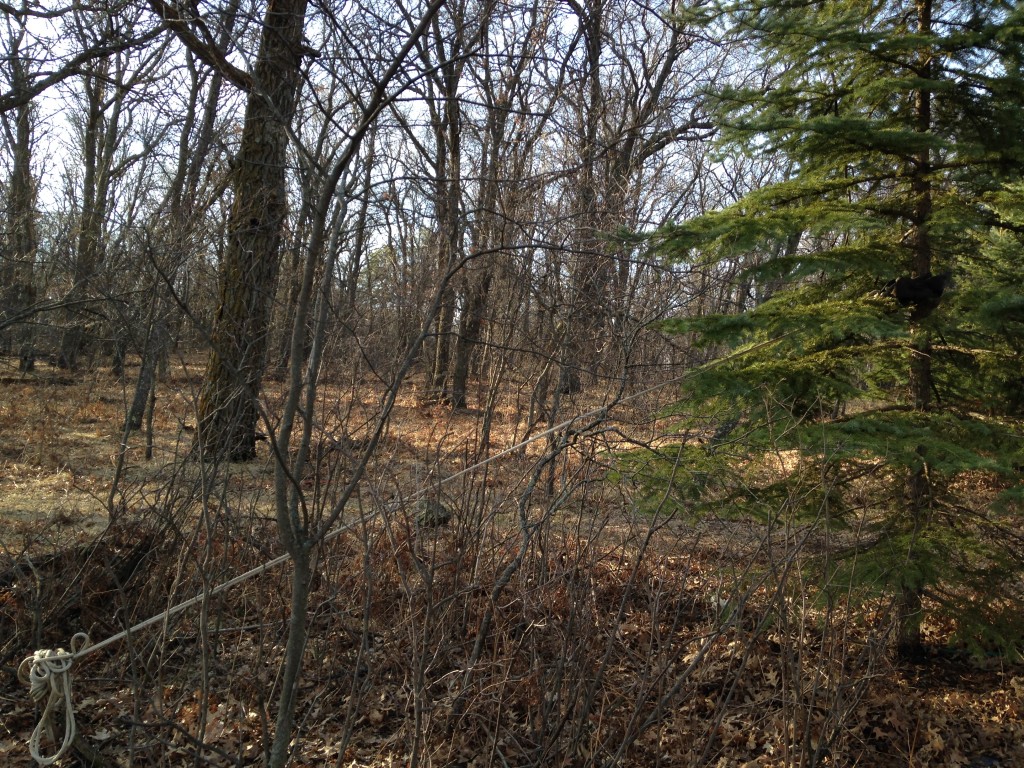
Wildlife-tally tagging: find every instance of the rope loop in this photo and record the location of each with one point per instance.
(47, 673)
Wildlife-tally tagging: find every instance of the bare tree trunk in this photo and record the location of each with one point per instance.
(90, 247)
(301, 578)
(447, 46)
(305, 218)
(470, 324)
(228, 403)
(488, 234)
(300, 534)
(591, 271)
(359, 234)
(153, 349)
(448, 243)
(17, 267)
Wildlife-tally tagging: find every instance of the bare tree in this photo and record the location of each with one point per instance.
(17, 279)
(510, 111)
(443, 56)
(57, 54)
(116, 146)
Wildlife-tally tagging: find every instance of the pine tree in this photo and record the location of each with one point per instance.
(892, 258)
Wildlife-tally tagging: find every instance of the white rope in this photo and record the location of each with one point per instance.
(48, 675)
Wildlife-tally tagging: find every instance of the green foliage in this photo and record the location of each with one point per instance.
(907, 150)
(675, 481)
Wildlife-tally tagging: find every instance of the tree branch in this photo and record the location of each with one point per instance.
(206, 51)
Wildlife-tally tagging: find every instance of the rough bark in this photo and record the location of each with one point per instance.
(228, 403)
(19, 293)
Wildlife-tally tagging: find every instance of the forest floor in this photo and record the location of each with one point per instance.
(684, 676)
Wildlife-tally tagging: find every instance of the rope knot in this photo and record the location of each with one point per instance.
(47, 673)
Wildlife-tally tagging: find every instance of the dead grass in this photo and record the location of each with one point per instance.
(616, 639)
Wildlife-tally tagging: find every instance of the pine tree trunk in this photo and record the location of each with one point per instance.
(910, 610)
(228, 403)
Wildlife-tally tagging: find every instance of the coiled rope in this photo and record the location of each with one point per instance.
(47, 673)
(50, 670)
